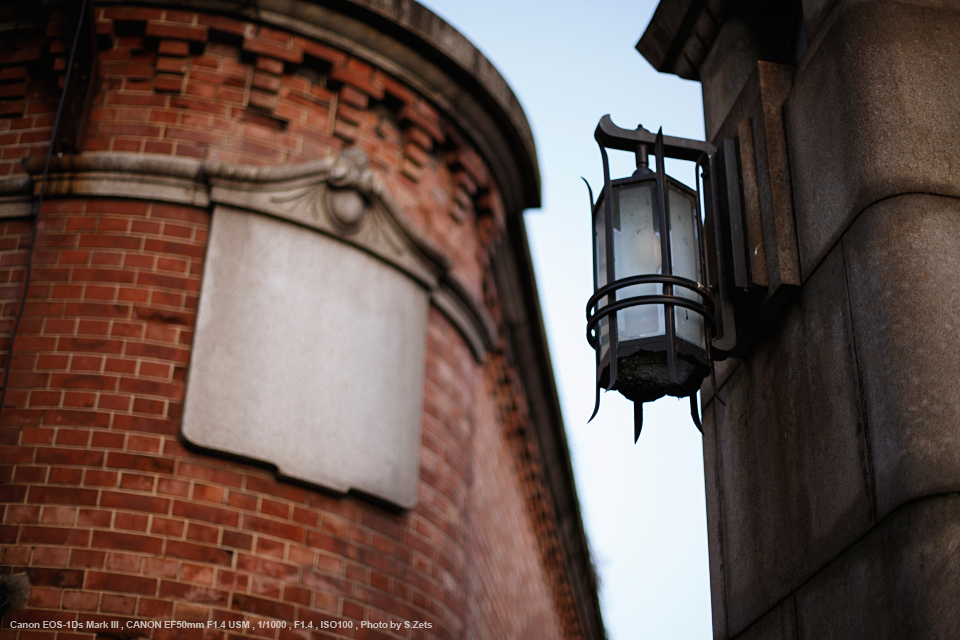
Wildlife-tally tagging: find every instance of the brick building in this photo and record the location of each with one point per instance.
(280, 358)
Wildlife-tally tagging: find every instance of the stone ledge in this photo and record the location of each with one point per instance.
(296, 193)
(866, 592)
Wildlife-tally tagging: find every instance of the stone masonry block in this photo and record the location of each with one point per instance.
(792, 485)
(873, 114)
(725, 71)
(714, 535)
(903, 255)
(815, 13)
(777, 624)
(901, 582)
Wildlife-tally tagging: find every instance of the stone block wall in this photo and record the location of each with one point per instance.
(112, 515)
(832, 467)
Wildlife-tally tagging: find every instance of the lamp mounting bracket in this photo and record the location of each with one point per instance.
(613, 137)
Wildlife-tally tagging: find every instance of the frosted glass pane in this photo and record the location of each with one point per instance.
(685, 255)
(600, 242)
(636, 239)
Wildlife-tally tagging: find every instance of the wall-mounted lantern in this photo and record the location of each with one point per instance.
(656, 319)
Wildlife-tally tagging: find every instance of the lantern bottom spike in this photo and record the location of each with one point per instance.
(596, 405)
(695, 414)
(637, 420)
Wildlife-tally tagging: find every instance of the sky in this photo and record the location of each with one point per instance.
(643, 505)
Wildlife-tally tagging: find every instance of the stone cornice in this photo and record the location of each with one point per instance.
(339, 197)
(680, 35)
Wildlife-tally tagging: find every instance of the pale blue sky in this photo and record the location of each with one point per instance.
(643, 506)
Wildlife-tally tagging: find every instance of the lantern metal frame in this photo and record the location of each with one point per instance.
(641, 142)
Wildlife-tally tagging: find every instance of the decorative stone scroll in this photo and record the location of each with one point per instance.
(309, 349)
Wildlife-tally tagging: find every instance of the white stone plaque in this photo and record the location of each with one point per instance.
(308, 354)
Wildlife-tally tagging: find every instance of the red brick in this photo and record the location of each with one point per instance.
(262, 607)
(94, 517)
(136, 482)
(22, 514)
(193, 593)
(237, 540)
(171, 487)
(103, 581)
(167, 527)
(203, 533)
(97, 478)
(266, 82)
(60, 475)
(62, 495)
(176, 32)
(210, 474)
(273, 528)
(54, 535)
(355, 98)
(81, 601)
(174, 48)
(208, 493)
(81, 457)
(107, 440)
(60, 578)
(160, 567)
(197, 573)
(151, 464)
(200, 553)
(269, 65)
(86, 558)
(268, 547)
(32, 435)
(166, 83)
(167, 64)
(140, 14)
(415, 117)
(134, 502)
(274, 508)
(357, 80)
(126, 541)
(130, 521)
(227, 25)
(266, 567)
(272, 49)
(155, 609)
(205, 513)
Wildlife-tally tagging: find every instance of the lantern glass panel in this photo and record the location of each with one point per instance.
(636, 250)
(600, 269)
(685, 258)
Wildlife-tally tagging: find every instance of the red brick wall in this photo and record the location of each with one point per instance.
(204, 86)
(32, 61)
(106, 510)
(504, 571)
(14, 245)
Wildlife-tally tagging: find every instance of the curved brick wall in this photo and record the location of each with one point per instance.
(106, 509)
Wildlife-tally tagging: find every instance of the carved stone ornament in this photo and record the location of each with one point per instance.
(309, 348)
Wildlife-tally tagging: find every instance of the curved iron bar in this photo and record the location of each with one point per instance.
(695, 413)
(619, 305)
(703, 164)
(631, 281)
(590, 191)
